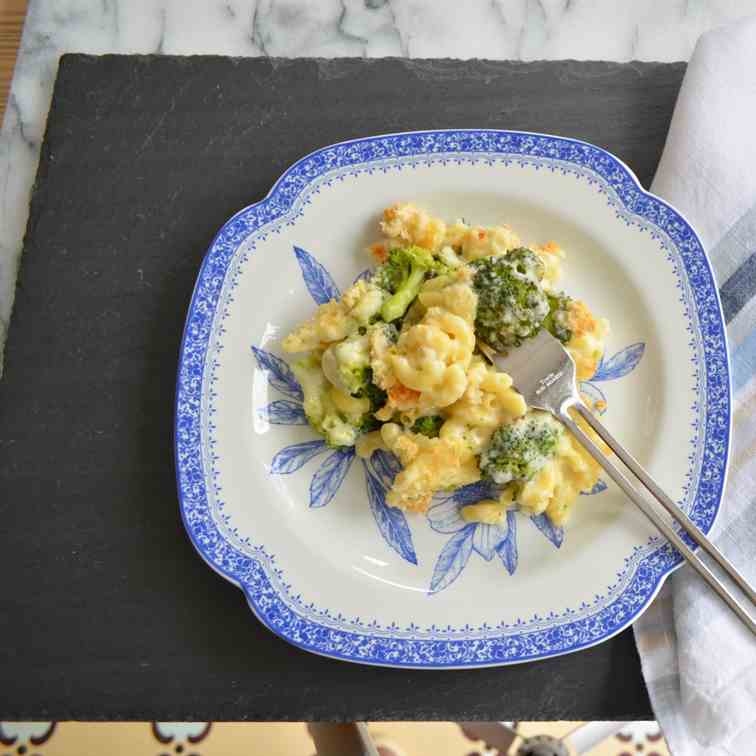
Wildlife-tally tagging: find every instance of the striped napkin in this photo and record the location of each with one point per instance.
(698, 659)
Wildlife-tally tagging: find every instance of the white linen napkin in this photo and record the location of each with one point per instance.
(698, 660)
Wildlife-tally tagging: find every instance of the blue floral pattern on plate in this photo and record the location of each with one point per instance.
(391, 522)
(254, 569)
(443, 515)
(467, 538)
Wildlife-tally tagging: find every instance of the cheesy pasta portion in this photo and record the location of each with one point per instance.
(395, 364)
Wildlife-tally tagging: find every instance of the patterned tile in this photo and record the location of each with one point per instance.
(277, 739)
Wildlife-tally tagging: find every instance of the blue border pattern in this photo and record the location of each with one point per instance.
(256, 573)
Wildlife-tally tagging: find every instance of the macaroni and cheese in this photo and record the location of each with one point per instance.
(395, 364)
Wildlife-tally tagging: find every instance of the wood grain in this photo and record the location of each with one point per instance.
(12, 14)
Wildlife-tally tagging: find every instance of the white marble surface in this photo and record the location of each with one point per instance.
(500, 29)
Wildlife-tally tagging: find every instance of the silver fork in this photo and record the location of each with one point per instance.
(544, 373)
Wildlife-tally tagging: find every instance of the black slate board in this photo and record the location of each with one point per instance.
(107, 611)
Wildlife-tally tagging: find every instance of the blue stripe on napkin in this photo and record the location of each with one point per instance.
(739, 288)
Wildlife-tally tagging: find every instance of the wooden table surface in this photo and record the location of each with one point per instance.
(12, 13)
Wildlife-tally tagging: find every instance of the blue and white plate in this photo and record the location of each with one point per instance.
(304, 530)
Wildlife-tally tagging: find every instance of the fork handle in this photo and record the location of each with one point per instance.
(660, 522)
(682, 519)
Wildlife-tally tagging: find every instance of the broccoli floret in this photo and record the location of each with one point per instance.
(387, 332)
(332, 413)
(377, 398)
(391, 274)
(368, 423)
(402, 275)
(346, 362)
(374, 394)
(526, 262)
(519, 450)
(430, 425)
(511, 303)
(557, 322)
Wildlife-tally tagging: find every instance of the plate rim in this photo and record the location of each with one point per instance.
(434, 664)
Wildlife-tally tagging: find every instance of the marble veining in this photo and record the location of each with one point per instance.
(497, 29)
